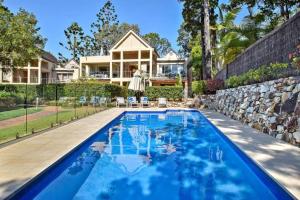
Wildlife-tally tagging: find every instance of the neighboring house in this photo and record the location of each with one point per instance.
(129, 54)
(38, 71)
(67, 73)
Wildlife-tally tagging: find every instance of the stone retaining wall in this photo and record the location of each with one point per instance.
(272, 107)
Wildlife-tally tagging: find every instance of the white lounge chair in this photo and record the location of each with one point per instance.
(162, 102)
(144, 102)
(120, 101)
(132, 102)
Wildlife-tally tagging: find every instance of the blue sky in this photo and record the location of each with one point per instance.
(54, 16)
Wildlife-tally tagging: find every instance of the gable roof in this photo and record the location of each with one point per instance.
(71, 61)
(131, 32)
(48, 56)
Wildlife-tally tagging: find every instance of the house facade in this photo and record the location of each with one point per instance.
(38, 71)
(129, 54)
(67, 73)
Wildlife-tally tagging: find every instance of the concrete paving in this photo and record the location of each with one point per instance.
(22, 161)
(279, 159)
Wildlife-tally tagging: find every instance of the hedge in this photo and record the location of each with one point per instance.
(169, 92)
(48, 91)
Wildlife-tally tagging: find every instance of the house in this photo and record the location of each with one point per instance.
(37, 71)
(67, 73)
(129, 54)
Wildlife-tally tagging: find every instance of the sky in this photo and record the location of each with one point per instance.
(54, 16)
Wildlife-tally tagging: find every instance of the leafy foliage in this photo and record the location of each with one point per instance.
(207, 86)
(169, 92)
(75, 37)
(162, 45)
(20, 41)
(103, 27)
(263, 73)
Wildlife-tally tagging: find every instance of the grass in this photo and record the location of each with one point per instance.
(10, 133)
(17, 113)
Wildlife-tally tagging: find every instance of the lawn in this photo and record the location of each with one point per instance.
(66, 115)
(17, 113)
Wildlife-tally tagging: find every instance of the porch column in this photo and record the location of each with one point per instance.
(157, 69)
(110, 71)
(87, 70)
(150, 67)
(121, 65)
(40, 71)
(139, 60)
(28, 72)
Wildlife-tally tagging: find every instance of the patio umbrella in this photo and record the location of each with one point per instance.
(137, 83)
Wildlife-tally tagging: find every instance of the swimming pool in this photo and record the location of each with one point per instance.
(155, 155)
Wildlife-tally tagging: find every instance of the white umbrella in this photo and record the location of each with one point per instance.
(137, 83)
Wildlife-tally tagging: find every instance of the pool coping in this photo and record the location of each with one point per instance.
(119, 112)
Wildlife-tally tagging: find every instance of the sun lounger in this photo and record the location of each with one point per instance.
(120, 102)
(132, 102)
(162, 102)
(144, 102)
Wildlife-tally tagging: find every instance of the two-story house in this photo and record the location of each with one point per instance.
(38, 71)
(129, 54)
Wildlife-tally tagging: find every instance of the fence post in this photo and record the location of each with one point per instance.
(26, 106)
(56, 103)
(75, 100)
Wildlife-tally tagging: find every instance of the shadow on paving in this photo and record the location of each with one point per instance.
(274, 155)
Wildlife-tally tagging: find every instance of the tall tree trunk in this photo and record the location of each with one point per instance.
(213, 37)
(207, 50)
(201, 73)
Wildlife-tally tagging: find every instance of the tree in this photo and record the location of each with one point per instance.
(162, 45)
(207, 56)
(75, 39)
(103, 27)
(183, 40)
(197, 16)
(119, 30)
(20, 41)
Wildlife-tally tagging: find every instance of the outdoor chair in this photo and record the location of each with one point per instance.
(94, 100)
(120, 102)
(103, 100)
(144, 102)
(132, 102)
(162, 102)
(82, 100)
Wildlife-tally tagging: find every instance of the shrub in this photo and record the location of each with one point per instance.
(48, 91)
(169, 92)
(213, 85)
(198, 87)
(9, 99)
(263, 73)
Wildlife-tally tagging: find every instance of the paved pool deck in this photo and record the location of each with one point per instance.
(22, 161)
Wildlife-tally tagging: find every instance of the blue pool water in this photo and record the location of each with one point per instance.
(155, 155)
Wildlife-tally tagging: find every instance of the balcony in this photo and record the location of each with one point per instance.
(168, 76)
(104, 75)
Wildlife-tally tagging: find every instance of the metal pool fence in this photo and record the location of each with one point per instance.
(29, 109)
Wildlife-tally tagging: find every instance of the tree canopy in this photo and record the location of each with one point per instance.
(162, 45)
(227, 37)
(20, 41)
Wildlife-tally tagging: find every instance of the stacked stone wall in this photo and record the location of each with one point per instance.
(272, 107)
